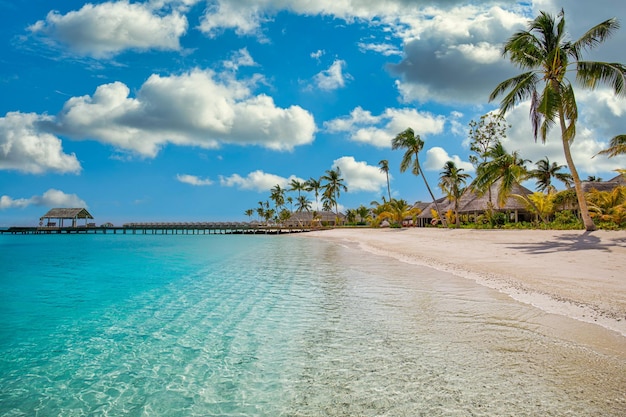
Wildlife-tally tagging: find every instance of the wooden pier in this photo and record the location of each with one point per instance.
(203, 228)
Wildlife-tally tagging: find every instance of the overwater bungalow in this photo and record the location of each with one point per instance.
(57, 217)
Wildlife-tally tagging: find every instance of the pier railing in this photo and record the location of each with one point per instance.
(173, 228)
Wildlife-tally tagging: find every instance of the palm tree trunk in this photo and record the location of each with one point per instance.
(388, 188)
(580, 195)
(441, 215)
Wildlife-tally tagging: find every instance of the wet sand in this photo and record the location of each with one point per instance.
(569, 273)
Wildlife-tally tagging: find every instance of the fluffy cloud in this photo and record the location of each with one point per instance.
(378, 131)
(257, 181)
(105, 29)
(359, 176)
(26, 148)
(51, 198)
(193, 180)
(332, 78)
(193, 109)
(436, 157)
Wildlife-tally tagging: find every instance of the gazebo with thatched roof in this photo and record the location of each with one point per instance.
(56, 216)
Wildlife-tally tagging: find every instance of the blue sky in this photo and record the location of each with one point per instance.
(192, 110)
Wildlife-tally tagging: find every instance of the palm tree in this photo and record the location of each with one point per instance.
(507, 167)
(278, 196)
(384, 167)
(315, 185)
(249, 213)
(545, 51)
(451, 181)
(617, 146)
(297, 185)
(303, 204)
(413, 144)
(546, 171)
(333, 187)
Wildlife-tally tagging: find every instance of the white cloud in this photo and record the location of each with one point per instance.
(257, 181)
(193, 109)
(26, 148)
(106, 29)
(240, 58)
(359, 176)
(385, 49)
(317, 54)
(51, 198)
(378, 131)
(332, 78)
(436, 158)
(193, 180)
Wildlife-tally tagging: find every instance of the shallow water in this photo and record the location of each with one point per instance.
(274, 326)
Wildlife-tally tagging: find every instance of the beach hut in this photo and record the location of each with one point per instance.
(609, 185)
(473, 204)
(57, 216)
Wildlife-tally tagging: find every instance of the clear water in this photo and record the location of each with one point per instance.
(211, 325)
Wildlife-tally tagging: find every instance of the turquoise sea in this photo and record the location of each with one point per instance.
(230, 325)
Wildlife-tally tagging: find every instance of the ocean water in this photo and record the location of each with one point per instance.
(215, 325)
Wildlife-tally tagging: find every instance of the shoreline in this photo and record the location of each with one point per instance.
(570, 273)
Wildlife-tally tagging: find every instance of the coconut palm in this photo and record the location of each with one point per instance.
(297, 185)
(249, 213)
(303, 204)
(413, 144)
(384, 167)
(315, 185)
(546, 171)
(333, 187)
(617, 146)
(278, 196)
(451, 181)
(507, 167)
(546, 52)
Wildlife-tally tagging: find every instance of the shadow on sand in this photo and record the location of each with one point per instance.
(569, 243)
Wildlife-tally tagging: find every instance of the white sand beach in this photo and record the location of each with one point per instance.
(569, 273)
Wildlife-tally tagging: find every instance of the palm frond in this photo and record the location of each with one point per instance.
(522, 87)
(617, 146)
(594, 36)
(589, 74)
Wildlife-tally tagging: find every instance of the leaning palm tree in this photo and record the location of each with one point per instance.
(546, 171)
(451, 181)
(384, 167)
(333, 187)
(413, 144)
(546, 52)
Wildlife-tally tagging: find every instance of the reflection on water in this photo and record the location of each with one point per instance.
(299, 327)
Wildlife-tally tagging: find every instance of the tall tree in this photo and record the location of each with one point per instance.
(333, 187)
(451, 181)
(549, 55)
(546, 171)
(303, 204)
(384, 167)
(413, 144)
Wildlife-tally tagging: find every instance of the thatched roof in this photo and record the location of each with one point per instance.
(472, 202)
(609, 185)
(307, 216)
(67, 213)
